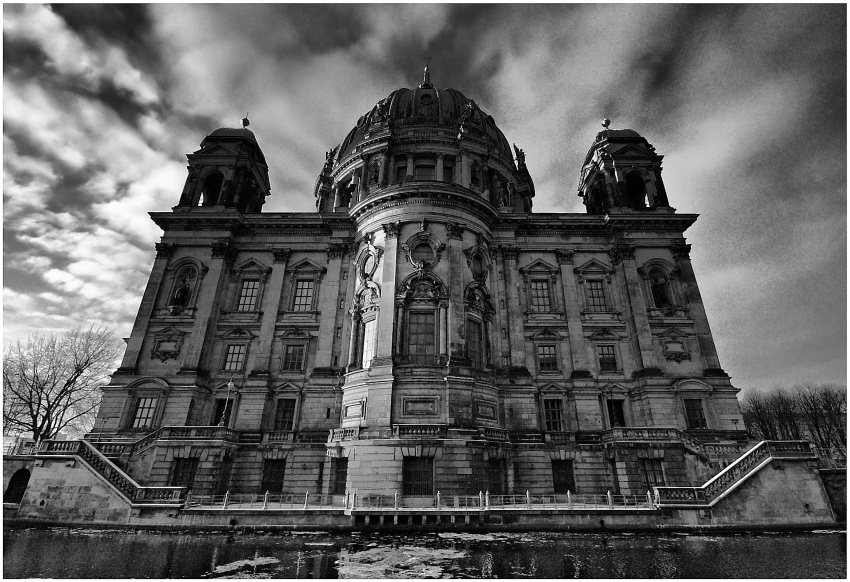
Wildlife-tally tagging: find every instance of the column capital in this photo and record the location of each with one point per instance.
(164, 250)
(621, 252)
(280, 255)
(454, 230)
(681, 251)
(565, 256)
(391, 229)
(509, 253)
(223, 249)
(336, 250)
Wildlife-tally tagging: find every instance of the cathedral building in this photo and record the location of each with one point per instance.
(424, 329)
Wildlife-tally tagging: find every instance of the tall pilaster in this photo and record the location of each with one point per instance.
(261, 360)
(328, 305)
(572, 308)
(439, 172)
(384, 353)
(140, 326)
(623, 259)
(209, 300)
(682, 256)
(515, 309)
(457, 341)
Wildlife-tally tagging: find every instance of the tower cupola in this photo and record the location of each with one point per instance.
(622, 173)
(228, 171)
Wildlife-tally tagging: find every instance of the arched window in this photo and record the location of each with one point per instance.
(211, 189)
(636, 190)
(422, 313)
(17, 486)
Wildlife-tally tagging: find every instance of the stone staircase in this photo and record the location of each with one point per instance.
(741, 469)
(118, 480)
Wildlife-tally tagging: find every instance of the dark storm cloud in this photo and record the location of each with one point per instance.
(747, 103)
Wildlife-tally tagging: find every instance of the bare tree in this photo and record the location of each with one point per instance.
(758, 416)
(53, 382)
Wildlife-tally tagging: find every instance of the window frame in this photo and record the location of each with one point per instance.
(610, 409)
(607, 358)
(241, 304)
(273, 468)
(592, 301)
(547, 365)
(151, 417)
(183, 472)
(549, 408)
(477, 357)
(533, 285)
(422, 359)
(281, 405)
(703, 418)
(227, 354)
(418, 481)
(303, 306)
(566, 468)
(651, 469)
(338, 485)
(288, 364)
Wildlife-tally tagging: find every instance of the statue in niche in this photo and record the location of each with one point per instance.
(504, 195)
(381, 111)
(180, 297)
(374, 172)
(475, 174)
(345, 193)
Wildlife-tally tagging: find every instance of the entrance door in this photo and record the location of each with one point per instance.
(17, 486)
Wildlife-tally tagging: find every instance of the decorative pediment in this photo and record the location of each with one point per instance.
(604, 334)
(167, 343)
(287, 387)
(476, 297)
(631, 150)
(237, 333)
(673, 332)
(538, 266)
(478, 259)
(615, 389)
(367, 297)
(552, 389)
(594, 266)
(252, 265)
(546, 334)
(658, 263)
(306, 265)
(294, 333)
(216, 150)
(368, 259)
(421, 287)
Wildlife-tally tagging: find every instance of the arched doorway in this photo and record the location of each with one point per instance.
(17, 486)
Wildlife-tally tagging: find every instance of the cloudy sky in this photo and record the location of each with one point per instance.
(748, 103)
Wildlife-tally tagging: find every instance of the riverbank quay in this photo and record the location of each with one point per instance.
(775, 485)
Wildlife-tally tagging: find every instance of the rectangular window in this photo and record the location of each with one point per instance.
(223, 410)
(274, 471)
(145, 407)
(340, 475)
(554, 414)
(235, 358)
(248, 295)
(418, 476)
(420, 337)
(540, 296)
(183, 472)
(694, 413)
(400, 173)
(424, 172)
(547, 361)
(474, 343)
(293, 358)
(497, 477)
(370, 334)
(616, 414)
(607, 358)
(653, 474)
(303, 296)
(563, 476)
(449, 174)
(284, 414)
(596, 296)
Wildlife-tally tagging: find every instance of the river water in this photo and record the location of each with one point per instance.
(82, 553)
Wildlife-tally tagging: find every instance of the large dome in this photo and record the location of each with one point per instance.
(427, 105)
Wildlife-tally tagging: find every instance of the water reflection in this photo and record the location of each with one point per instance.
(80, 553)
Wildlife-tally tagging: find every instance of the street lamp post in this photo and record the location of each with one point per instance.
(230, 387)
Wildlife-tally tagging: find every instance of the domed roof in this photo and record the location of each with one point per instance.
(427, 105)
(233, 132)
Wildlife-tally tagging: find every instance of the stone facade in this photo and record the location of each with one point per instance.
(423, 330)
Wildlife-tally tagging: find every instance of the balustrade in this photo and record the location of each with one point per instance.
(344, 434)
(419, 430)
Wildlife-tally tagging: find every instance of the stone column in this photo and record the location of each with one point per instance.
(398, 348)
(464, 168)
(208, 302)
(382, 171)
(261, 361)
(439, 173)
(328, 306)
(572, 309)
(623, 259)
(383, 355)
(444, 343)
(457, 343)
(354, 341)
(696, 309)
(409, 173)
(146, 309)
(514, 308)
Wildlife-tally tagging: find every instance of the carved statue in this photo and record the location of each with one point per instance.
(374, 172)
(504, 194)
(180, 298)
(475, 174)
(520, 156)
